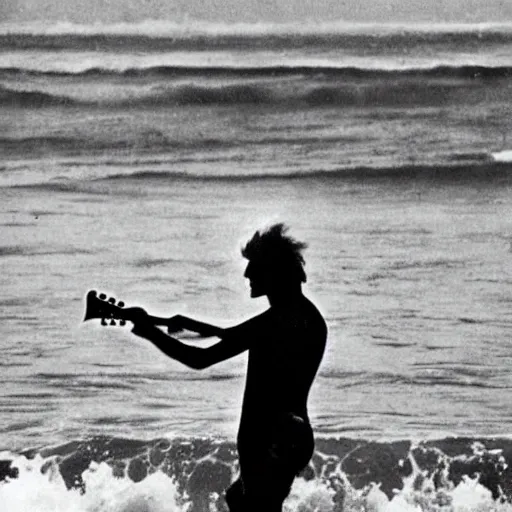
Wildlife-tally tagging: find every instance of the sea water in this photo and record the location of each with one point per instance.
(137, 159)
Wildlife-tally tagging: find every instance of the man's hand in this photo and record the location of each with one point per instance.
(175, 324)
(141, 325)
(137, 316)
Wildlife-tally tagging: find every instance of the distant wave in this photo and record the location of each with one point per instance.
(167, 28)
(316, 93)
(44, 144)
(151, 140)
(29, 144)
(33, 251)
(153, 34)
(483, 169)
(487, 172)
(244, 72)
(15, 98)
(503, 156)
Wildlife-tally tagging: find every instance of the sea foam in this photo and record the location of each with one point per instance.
(503, 156)
(451, 475)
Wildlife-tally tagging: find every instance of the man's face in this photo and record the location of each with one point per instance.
(258, 278)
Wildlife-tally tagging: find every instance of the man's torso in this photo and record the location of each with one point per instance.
(283, 361)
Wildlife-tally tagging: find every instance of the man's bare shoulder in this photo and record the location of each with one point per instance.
(251, 327)
(311, 311)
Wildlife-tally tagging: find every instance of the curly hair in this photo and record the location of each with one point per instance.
(278, 250)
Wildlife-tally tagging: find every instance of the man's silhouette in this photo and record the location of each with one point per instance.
(286, 344)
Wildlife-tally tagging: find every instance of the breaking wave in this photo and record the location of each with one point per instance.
(121, 475)
(340, 94)
(154, 34)
(167, 28)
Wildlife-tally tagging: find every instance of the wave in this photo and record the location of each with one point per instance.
(154, 35)
(15, 98)
(278, 43)
(469, 72)
(485, 171)
(489, 172)
(344, 474)
(171, 28)
(77, 145)
(18, 250)
(503, 156)
(385, 93)
(150, 140)
(31, 144)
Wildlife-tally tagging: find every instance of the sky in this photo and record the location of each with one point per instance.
(250, 11)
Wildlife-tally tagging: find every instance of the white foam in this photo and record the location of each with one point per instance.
(40, 488)
(503, 156)
(309, 496)
(46, 492)
(187, 26)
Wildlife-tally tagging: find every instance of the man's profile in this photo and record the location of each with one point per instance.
(286, 344)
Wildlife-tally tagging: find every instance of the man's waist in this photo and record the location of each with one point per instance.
(264, 425)
(288, 432)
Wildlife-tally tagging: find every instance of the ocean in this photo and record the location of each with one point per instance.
(136, 161)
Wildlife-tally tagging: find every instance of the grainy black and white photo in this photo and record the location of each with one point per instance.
(256, 256)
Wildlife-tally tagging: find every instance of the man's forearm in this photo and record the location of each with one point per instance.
(202, 328)
(194, 357)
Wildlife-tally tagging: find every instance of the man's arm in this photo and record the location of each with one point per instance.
(234, 341)
(179, 322)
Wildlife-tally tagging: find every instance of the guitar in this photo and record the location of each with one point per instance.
(111, 311)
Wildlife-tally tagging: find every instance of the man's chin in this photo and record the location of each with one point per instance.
(256, 293)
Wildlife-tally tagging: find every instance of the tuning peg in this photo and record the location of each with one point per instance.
(120, 304)
(122, 322)
(112, 300)
(102, 296)
(113, 322)
(103, 322)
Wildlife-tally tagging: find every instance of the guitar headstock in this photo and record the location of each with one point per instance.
(109, 310)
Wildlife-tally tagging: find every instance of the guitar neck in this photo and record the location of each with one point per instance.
(98, 306)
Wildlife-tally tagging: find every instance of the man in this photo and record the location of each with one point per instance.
(286, 344)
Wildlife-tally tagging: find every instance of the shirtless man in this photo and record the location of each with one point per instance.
(286, 344)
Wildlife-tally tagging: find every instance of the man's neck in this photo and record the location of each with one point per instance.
(284, 298)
